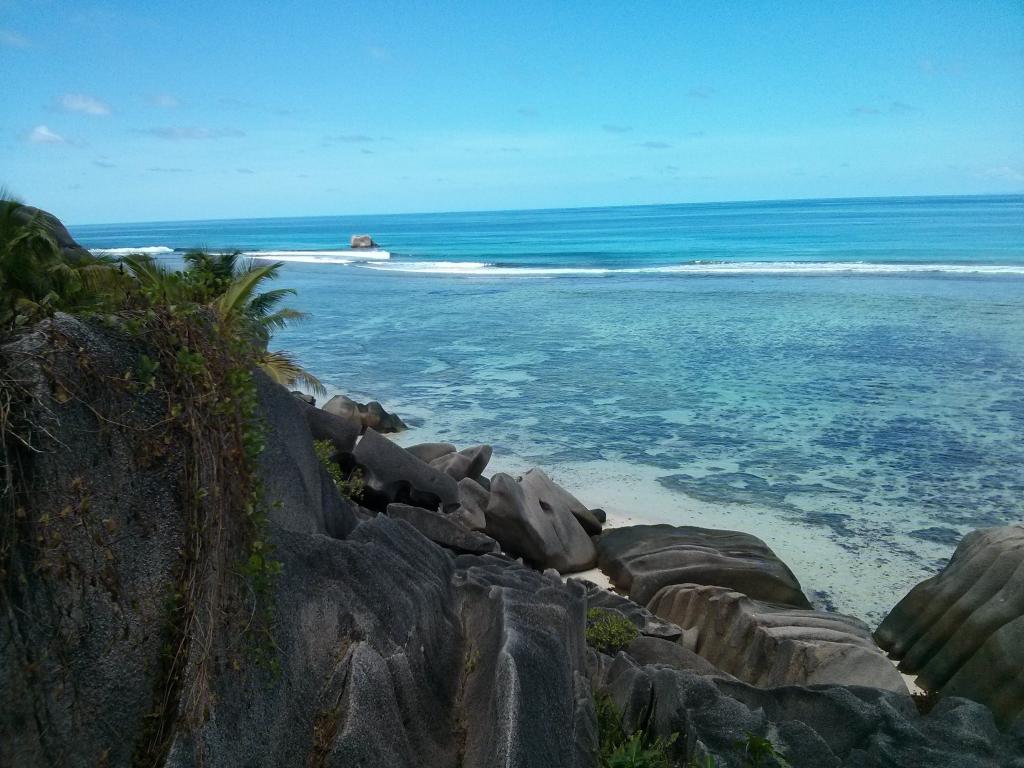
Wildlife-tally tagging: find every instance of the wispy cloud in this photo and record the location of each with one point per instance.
(165, 101)
(612, 128)
(347, 138)
(1004, 173)
(43, 135)
(84, 103)
(189, 133)
(655, 145)
(701, 92)
(169, 170)
(245, 170)
(892, 108)
(103, 164)
(10, 39)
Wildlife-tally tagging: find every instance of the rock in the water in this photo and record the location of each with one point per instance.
(600, 515)
(769, 645)
(429, 451)
(641, 559)
(470, 462)
(962, 631)
(371, 416)
(473, 499)
(442, 530)
(552, 496)
(392, 474)
(544, 537)
(645, 621)
(362, 241)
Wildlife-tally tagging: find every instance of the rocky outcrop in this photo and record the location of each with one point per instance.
(392, 474)
(641, 559)
(473, 499)
(341, 431)
(555, 498)
(443, 530)
(370, 416)
(769, 645)
(69, 248)
(819, 727)
(645, 622)
(468, 463)
(544, 536)
(962, 631)
(362, 241)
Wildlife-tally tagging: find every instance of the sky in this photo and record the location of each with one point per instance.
(129, 111)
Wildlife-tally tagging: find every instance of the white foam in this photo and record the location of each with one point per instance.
(149, 250)
(483, 269)
(328, 257)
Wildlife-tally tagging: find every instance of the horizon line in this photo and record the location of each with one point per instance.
(562, 208)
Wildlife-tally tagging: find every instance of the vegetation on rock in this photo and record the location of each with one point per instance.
(352, 486)
(609, 631)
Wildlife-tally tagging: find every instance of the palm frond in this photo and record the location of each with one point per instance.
(264, 303)
(238, 294)
(283, 368)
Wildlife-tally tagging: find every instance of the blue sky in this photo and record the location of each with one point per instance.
(148, 111)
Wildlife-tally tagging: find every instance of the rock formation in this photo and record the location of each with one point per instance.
(962, 631)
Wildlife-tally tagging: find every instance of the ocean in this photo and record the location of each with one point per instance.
(843, 378)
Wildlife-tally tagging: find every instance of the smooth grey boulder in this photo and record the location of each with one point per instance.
(341, 431)
(69, 247)
(641, 559)
(645, 621)
(544, 537)
(473, 501)
(441, 529)
(552, 496)
(600, 515)
(371, 415)
(962, 631)
(653, 650)
(362, 241)
(768, 645)
(307, 399)
(392, 474)
(429, 451)
(809, 727)
(467, 463)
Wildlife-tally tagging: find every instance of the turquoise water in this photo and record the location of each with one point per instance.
(843, 378)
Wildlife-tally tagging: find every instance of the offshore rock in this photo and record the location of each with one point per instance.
(371, 415)
(962, 631)
(543, 536)
(770, 645)
(341, 431)
(641, 559)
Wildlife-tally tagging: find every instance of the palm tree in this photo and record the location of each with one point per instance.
(230, 288)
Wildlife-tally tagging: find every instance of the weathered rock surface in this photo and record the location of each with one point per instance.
(371, 415)
(473, 499)
(641, 559)
(962, 631)
(341, 431)
(769, 645)
(361, 241)
(552, 496)
(645, 621)
(306, 398)
(70, 249)
(429, 451)
(392, 474)
(441, 529)
(544, 537)
(820, 727)
(467, 463)
(653, 650)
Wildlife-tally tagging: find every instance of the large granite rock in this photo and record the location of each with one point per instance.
(645, 621)
(70, 249)
(641, 559)
(370, 415)
(768, 645)
(473, 500)
(467, 463)
(392, 474)
(818, 727)
(552, 496)
(429, 451)
(341, 431)
(962, 631)
(653, 650)
(545, 537)
(441, 529)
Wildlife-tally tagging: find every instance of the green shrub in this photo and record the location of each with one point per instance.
(759, 752)
(352, 487)
(609, 631)
(619, 749)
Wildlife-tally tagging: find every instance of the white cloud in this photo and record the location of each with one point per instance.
(12, 39)
(185, 133)
(80, 102)
(43, 135)
(164, 101)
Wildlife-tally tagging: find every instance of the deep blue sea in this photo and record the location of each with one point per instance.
(844, 378)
